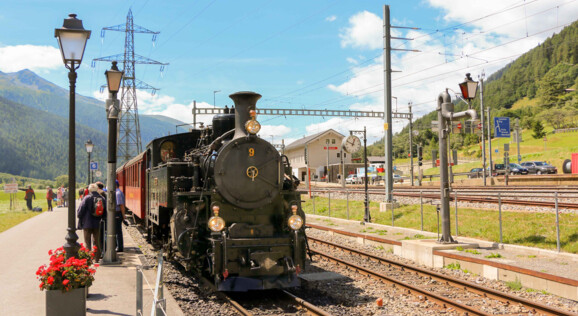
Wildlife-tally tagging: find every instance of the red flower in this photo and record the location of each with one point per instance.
(50, 280)
(65, 282)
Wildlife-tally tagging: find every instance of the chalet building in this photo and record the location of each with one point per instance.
(319, 152)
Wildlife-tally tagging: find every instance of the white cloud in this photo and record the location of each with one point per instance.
(364, 31)
(483, 45)
(36, 58)
(278, 132)
(331, 18)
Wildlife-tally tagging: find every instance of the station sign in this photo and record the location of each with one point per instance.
(93, 165)
(11, 188)
(330, 148)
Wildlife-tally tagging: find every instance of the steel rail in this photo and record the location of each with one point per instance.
(311, 309)
(440, 300)
(468, 286)
(495, 200)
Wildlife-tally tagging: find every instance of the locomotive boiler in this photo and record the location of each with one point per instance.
(223, 201)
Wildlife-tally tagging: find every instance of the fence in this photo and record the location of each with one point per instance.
(340, 204)
(158, 306)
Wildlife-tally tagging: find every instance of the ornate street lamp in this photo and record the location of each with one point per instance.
(469, 88)
(113, 79)
(72, 39)
(89, 146)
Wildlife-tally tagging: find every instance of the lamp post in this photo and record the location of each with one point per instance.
(89, 146)
(445, 115)
(72, 38)
(113, 79)
(215, 92)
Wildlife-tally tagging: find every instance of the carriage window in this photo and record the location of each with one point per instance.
(167, 150)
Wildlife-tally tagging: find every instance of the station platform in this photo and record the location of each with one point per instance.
(25, 248)
(538, 269)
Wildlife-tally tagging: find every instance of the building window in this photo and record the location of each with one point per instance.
(333, 141)
(338, 155)
(344, 155)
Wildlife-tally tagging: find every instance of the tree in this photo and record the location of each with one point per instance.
(538, 130)
(61, 180)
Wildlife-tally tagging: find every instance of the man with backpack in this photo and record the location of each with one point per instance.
(89, 213)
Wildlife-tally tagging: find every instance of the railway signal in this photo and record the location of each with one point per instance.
(419, 156)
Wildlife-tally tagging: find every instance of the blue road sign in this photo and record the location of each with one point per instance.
(94, 165)
(502, 127)
(496, 150)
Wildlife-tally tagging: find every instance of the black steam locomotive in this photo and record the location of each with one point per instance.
(223, 201)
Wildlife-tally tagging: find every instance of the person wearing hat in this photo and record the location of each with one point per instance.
(28, 196)
(119, 218)
(49, 195)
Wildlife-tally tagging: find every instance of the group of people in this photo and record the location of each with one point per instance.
(91, 213)
(92, 217)
(61, 197)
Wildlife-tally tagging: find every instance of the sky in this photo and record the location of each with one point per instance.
(322, 54)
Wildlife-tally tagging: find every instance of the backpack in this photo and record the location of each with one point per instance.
(98, 206)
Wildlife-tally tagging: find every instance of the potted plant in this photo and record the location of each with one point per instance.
(66, 281)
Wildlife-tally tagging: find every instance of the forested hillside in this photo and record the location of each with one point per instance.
(34, 143)
(34, 127)
(539, 88)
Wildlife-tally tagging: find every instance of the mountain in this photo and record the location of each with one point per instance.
(34, 127)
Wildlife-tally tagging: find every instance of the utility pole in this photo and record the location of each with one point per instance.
(518, 139)
(410, 144)
(482, 129)
(490, 143)
(327, 175)
(387, 112)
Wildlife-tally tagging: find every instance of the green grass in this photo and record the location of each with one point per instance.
(453, 266)
(526, 229)
(494, 255)
(473, 251)
(10, 217)
(460, 248)
(514, 285)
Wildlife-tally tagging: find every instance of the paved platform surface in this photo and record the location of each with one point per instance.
(25, 247)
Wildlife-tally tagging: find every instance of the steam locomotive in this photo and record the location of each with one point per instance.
(222, 201)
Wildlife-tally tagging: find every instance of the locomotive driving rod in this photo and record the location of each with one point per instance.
(446, 113)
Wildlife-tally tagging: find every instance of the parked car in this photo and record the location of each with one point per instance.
(476, 173)
(539, 167)
(397, 178)
(499, 169)
(351, 179)
(517, 169)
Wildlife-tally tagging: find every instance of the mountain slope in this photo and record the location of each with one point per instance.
(34, 143)
(25, 87)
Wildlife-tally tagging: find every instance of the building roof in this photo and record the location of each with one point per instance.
(305, 140)
(376, 159)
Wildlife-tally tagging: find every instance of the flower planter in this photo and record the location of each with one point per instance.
(60, 303)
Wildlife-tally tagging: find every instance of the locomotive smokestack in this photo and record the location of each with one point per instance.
(245, 101)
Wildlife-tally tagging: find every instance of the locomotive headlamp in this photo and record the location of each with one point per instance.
(216, 223)
(252, 126)
(295, 221)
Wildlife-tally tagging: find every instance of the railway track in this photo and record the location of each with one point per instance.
(444, 301)
(275, 298)
(475, 196)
